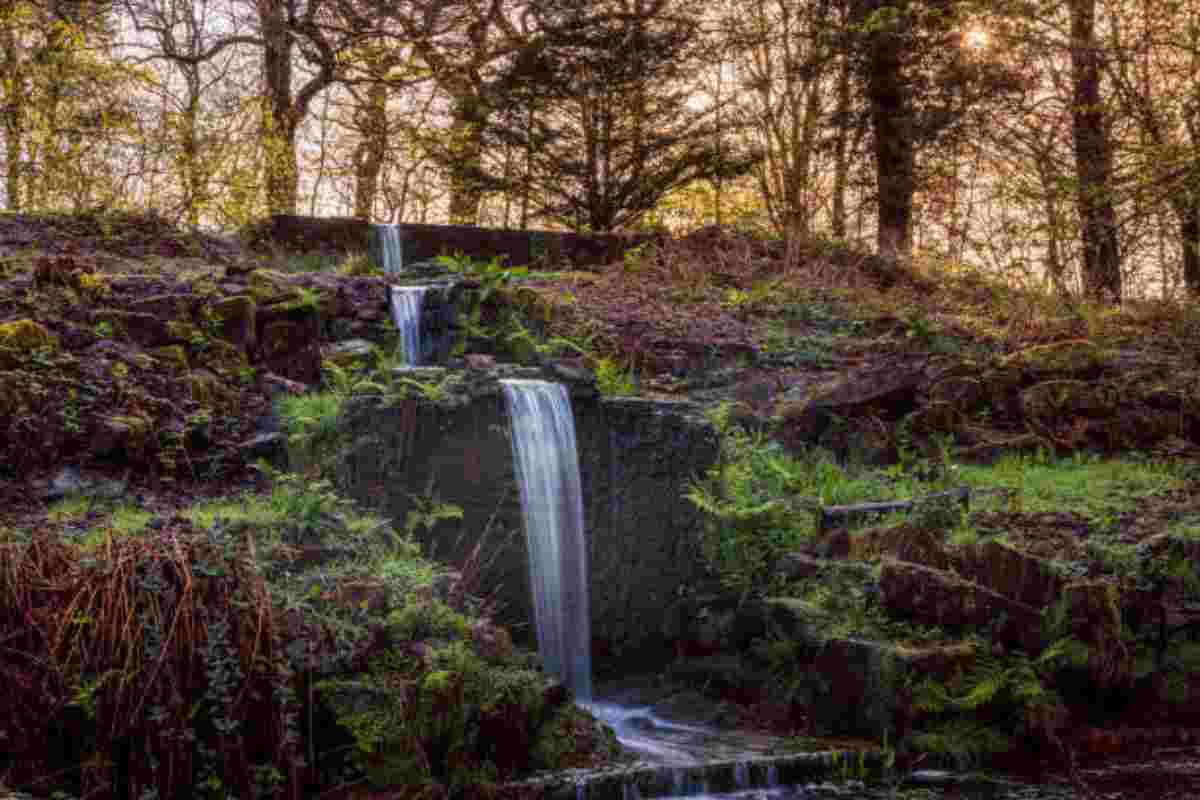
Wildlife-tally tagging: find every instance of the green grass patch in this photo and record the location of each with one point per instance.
(129, 518)
(71, 509)
(1086, 484)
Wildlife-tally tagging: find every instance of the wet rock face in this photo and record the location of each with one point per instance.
(635, 456)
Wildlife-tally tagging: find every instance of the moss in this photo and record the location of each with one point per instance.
(427, 620)
(1049, 401)
(270, 286)
(207, 389)
(25, 335)
(173, 356)
(183, 330)
(1076, 358)
(223, 358)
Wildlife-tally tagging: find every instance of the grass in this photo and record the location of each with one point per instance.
(1095, 487)
(71, 509)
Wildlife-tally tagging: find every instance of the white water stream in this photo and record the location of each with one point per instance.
(406, 313)
(543, 440)
(390, 250)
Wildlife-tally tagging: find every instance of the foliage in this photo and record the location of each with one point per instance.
(613, 381)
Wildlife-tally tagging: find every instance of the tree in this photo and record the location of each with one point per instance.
(604, 114)
(1093, 159)
(919, 84)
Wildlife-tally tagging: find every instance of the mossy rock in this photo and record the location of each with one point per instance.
(147, 330)
(173, 356)
(271, 286)
(21, 337)
(207, 389)
(936, 418)
(1050, 401)
(237, 317)
(1089, 613)
(121, 433)
(14, 393)
(964, 393)
(1010, 572)
(916, 544)
(222, 358)
(1076, 358)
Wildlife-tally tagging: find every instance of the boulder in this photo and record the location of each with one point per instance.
(177, 305)
(147, 330)
(1016, 575)
(118, 434)
(1078, 359)
(889, 393)
(268, 286)
(934, 597)
(1050, 402)
(961, 392)
(346, 353)
(21, 337)
(237, 320)
(1090, 613)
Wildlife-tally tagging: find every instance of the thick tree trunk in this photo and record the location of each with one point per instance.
(1189, 239)
(280, 170)
(369, 155)
(895, 159)
(1093, 160)
(892, 123)
(466, 190)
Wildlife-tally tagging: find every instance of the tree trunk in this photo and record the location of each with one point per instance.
(892, 124)
(369, 155)
(14, 84)
(466, 191)
(1189, 240)
(1093, 160)
(281, 172)
(193, 170)
(841, 156)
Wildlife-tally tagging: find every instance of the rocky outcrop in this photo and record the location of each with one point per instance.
(448, 443)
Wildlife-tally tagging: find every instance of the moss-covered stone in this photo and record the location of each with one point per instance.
(1014, 574)
(13, 393)
(936, 418)
(962, 392)
(1080, 359)
(1051, 401)
(221, 357)
(25, 335)
(905, 542)
(1090, 614)
(147, 330)
(206, 388)
(237, 319)
(173, 356)
(270, 286)
(121, 433)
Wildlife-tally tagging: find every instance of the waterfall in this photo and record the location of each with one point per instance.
(406, 313)
(543, 439)
(390, 251)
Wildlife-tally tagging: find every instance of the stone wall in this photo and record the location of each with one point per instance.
(340, 235)
(636, 459)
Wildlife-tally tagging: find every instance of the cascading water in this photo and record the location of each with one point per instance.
(406, 313)
(543, 439)
(390, 250)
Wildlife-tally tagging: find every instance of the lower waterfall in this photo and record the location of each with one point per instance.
(543, 440)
